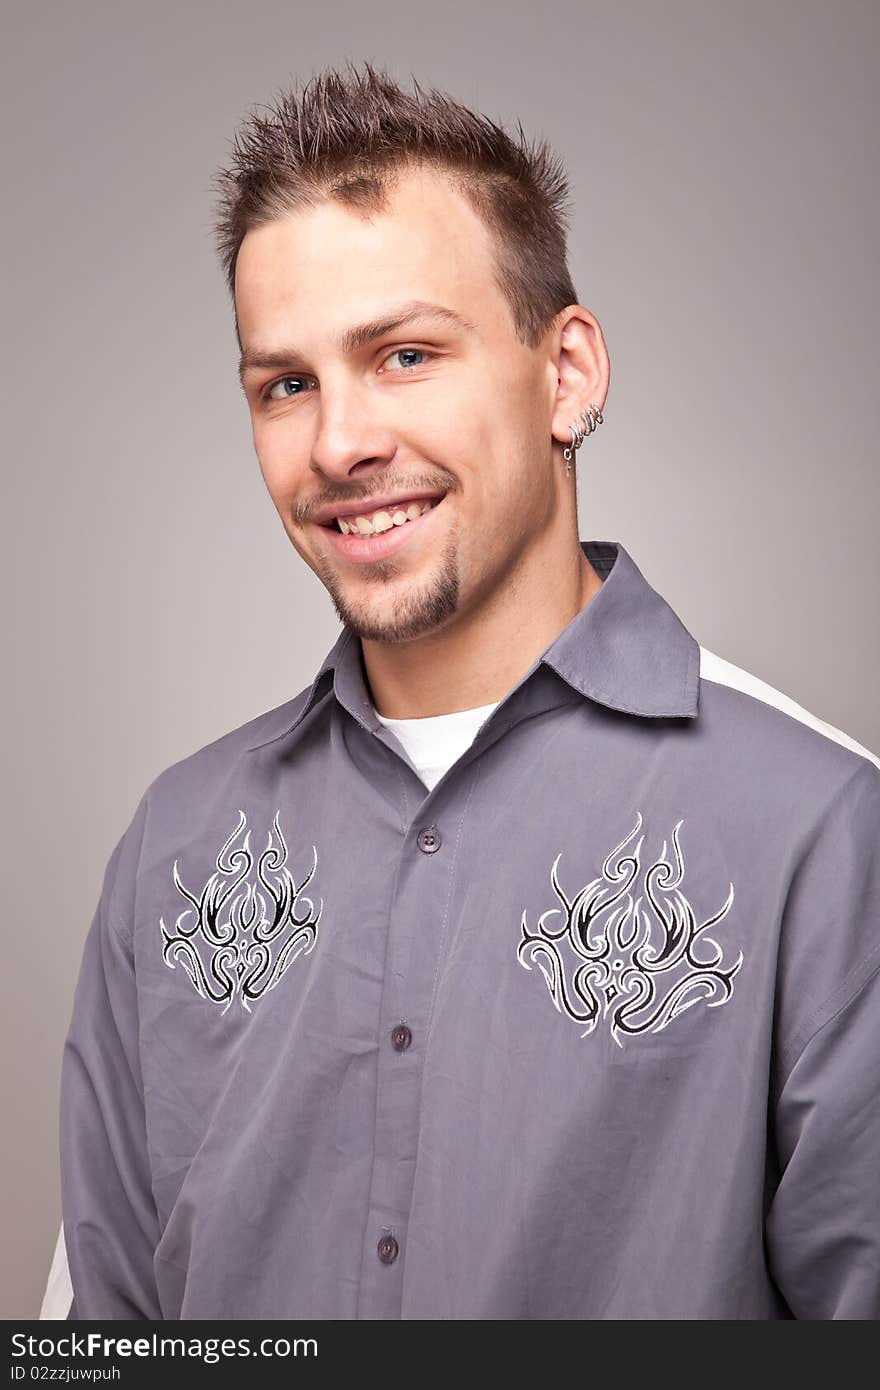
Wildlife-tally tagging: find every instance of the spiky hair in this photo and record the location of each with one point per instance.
(347, 136)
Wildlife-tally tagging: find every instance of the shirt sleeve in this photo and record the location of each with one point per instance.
(110, 1221)
(822, 1223)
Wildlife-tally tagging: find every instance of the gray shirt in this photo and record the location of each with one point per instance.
(590, 1029)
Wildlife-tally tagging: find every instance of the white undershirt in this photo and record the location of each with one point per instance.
(435, 743)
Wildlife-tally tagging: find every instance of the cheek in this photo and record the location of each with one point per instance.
(285, 489)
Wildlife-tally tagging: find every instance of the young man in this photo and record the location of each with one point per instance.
(526, 964)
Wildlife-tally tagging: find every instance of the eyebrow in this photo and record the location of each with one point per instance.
(353, 339)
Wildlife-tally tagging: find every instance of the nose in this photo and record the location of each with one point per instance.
(350, 435)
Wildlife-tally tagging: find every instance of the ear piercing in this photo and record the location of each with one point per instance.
(584, 425)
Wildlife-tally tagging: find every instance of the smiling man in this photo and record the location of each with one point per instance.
(526, 963)
(409, 454)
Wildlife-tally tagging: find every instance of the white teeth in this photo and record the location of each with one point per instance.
(383, 520)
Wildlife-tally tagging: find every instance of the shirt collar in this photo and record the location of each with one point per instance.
(626, 649)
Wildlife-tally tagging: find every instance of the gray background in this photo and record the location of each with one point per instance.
(725, 208)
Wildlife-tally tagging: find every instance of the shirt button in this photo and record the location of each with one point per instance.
(429, 840)
(387, 1249)
(401, 1037)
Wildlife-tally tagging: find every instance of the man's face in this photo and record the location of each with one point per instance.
(428, 408)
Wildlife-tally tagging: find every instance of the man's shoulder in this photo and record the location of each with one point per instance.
(765, 722)
(217, 758)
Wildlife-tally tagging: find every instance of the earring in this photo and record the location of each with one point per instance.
(584, 425)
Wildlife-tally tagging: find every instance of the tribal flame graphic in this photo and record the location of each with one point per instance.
(241, 959)
(640, 963)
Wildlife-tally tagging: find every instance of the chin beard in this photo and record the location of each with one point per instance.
(411, 613)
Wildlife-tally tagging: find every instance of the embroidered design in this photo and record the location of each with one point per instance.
(265, 924)
(642, 963)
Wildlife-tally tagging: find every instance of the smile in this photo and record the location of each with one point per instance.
(377, 545)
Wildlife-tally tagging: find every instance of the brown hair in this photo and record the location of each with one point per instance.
(345, 137)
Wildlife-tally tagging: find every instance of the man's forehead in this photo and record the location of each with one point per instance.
(426, 224)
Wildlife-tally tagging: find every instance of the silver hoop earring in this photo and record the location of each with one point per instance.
(584, 425)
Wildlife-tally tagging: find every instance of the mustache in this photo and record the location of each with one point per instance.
(398, 487)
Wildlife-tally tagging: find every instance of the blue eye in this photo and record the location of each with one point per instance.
(280, 382)
(269, 391)
(419, 352)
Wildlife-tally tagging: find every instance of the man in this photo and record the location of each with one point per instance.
(525, 964)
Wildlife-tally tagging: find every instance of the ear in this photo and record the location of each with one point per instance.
(582, 366)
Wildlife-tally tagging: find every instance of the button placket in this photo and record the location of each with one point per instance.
(417, 928)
